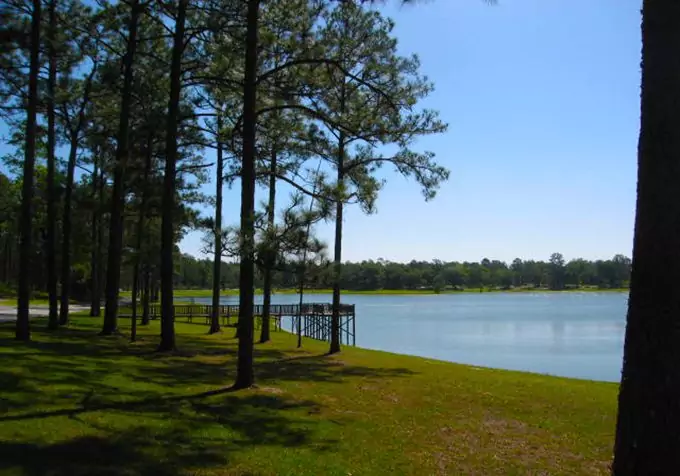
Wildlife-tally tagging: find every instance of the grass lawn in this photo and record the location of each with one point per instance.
(73, 403)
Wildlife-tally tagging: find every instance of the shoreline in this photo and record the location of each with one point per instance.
(394, 292)
(201, 293)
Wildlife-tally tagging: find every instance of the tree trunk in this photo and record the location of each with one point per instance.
(94, 233)
(217, 263)
(154, 289)
(303, 271)
(647, 436)
(118, 193)
(302, 293)
(98, 278)
(271, 255)
(23, 325)
(337, 256)
(244, 368)
(66, 239)
(66, 233)
(133, 314)
(53, 320)
(168, 209)
(146, 294)
(140, 236)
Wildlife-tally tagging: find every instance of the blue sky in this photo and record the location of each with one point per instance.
(542, 101)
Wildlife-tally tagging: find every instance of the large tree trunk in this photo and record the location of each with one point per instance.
(217, 262)
(244, 368)
(647, 436)
(168, 209)
(53, 320)
(117, 195)
(23, 325)
(271, 255)
(66, 233)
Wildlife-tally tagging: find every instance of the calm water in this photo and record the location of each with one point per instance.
(568, 334)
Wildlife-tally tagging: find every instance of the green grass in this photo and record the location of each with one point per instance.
(74, 403)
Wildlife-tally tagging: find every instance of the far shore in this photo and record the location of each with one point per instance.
(395, 292)
(200, 293)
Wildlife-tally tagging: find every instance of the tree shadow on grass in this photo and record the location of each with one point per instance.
(88, 455)
(323, 368)
(197, 431)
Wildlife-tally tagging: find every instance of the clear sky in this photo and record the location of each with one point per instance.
(542, 101)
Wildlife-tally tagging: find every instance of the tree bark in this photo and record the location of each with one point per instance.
(23, 325)
(244, 368)
(271, 255)
(647, 436)
(168, 209)
(217, 263)
(116, 227)
(53, 320)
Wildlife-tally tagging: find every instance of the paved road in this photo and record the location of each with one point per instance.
(9, 313)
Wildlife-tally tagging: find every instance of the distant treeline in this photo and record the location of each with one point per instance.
(555, 273)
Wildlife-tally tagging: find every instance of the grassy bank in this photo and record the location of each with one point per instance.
(75, 403)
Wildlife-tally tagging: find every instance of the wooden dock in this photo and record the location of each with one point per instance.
(314, 318)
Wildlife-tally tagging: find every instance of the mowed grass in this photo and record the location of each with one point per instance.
(74, 403)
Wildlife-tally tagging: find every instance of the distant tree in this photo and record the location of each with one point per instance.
(557, 271)
(517, 268)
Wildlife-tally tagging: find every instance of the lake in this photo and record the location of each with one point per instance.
(569, 334)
